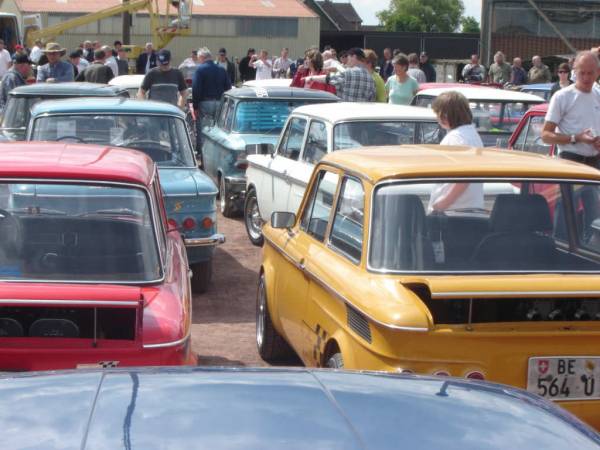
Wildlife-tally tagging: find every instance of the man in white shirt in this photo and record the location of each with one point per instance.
(264, 67)
(282, 64)
(36, 51)
(5, 59)
(573, 117)
(110, 60)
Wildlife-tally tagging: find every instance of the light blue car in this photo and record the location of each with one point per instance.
(159, 130)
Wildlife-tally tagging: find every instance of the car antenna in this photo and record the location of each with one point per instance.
(443, 390)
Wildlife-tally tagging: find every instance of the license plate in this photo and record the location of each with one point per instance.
(565, 378)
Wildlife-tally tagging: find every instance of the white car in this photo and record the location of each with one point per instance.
(130, 82)
(496, 112)
(277, 181)
(271, 82)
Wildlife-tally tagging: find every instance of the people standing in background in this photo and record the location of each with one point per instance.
(122, 62)
(88, 51)
(500, 70)
(473, 72)
(401, 87)
(413, 69)
(371, 63)
(189, 65)
(36, 51)
(263, 66)
(55, 70)
(78, 61)
(146, 60)
(563, 79)
(16, 76)
(110, 60)
(387, 68)
(5, 59)
(312, 66)
(539, 72)
(427, 68)
(282, 64)
(247, 71)
(518, 76)
(163, 75)
(98, 71)
(330, 63)
(229, 67)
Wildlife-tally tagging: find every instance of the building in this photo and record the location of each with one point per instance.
(538, 27)
(235, 25)
(336, 16)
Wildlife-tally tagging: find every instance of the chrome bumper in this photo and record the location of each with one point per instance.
(215, 239)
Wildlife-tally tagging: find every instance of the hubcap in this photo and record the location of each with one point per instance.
(253, 219)
(260, 313)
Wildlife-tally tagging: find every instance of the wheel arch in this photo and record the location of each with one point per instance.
(338, 342)
(268, 272)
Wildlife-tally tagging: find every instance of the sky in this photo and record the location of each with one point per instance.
(366, 9)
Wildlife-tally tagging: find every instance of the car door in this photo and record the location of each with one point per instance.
(214, 138)
(292, 285)
(300, 171)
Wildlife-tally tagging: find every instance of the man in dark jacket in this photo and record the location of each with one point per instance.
(247, 72)
(387, 68)
(146, 60)
(97, 72)
(427, 68)
(15, 77)
(229, 67)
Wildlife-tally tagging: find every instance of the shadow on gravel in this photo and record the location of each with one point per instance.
(217, 361)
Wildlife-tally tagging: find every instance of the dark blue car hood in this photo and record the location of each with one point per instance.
(193, 408)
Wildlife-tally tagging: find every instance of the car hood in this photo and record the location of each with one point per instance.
(274, 409)
(185, 181)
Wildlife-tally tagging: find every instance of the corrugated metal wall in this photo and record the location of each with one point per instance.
(212, 32)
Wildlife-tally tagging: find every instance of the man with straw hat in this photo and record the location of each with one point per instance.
(56, 70)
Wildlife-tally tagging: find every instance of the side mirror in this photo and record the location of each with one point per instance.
(283, 220)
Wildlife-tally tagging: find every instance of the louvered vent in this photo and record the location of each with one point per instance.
(358, 323)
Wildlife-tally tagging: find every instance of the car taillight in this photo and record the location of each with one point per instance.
(188, 223)
(172, 223)
(441, 373)
(207, 223)
(475, 375)
(241, 161)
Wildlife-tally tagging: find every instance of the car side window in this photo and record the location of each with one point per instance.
(533, 141)
(347, 230)
(317, 212)
(292, 140)
(223, 113)
(316, 143)
(518, 145)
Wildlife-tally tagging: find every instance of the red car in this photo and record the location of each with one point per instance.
(91, 275)
(527, 135)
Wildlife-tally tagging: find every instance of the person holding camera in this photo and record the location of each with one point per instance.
(474, 72)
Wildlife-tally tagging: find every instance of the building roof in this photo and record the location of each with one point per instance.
(343, 111)
(261, 8)
(343, 14)
(114, 105)
(64, 161)
(414, 161)
(70, 89)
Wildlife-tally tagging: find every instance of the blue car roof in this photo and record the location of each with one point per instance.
(537, 87)
(116, 105)
(70, 89)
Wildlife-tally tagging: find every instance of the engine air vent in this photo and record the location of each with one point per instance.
(359, 323)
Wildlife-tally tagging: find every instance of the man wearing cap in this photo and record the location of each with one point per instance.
(5, 59)
(355, 84)
(98, 71)
(16, 76)
(227, 65)
(164, 74)
(146, 60)
(55, 70)
(427, 68)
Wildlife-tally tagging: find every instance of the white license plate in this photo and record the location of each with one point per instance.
(564, 377)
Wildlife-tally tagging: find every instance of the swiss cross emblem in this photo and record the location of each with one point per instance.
(543, 366)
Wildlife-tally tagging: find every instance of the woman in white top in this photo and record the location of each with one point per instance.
(454, 114)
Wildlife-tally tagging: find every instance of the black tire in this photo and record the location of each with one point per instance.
(252, 218)
(335, 361)
(201, 276)
(271, 346)
(226, 206)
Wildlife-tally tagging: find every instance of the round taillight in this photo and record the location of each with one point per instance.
(188, 223)
(441, 373)
(475, 375)
(172, 223)
(207, 222)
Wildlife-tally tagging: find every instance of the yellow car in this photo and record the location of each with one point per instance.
(457, 261)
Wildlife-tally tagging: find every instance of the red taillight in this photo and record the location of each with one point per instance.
(207, 223)
(188, 223)
(441, 373)
(172, 223)
(475, 375)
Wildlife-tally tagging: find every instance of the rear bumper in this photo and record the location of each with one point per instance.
(215, 239)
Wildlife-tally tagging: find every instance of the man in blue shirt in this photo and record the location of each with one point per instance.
(56, 70)
(209, 83)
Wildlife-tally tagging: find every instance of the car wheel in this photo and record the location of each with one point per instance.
(202, 274)
(336, 361)
(225, 204)
(271, 346)
(252, 218)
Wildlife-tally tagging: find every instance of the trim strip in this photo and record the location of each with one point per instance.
(172, 343)
(470, 294)
(335, 294)
(68, 302)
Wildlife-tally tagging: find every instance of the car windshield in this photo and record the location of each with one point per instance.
(76, 232)
(163, 138)
(492, 119)
(358, 134)
(18, 111)
(486, 226)
(264, 116)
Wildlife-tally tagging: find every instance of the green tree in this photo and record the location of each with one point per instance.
(469, 24)
(422, 15)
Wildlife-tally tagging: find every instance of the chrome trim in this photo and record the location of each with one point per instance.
(472, 294)
(170, 344)
(491, 179)
(69, 302)
(337, 295)
(202, 194)
(215, 239)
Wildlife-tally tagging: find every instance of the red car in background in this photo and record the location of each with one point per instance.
(527, 136)
(90, 273)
